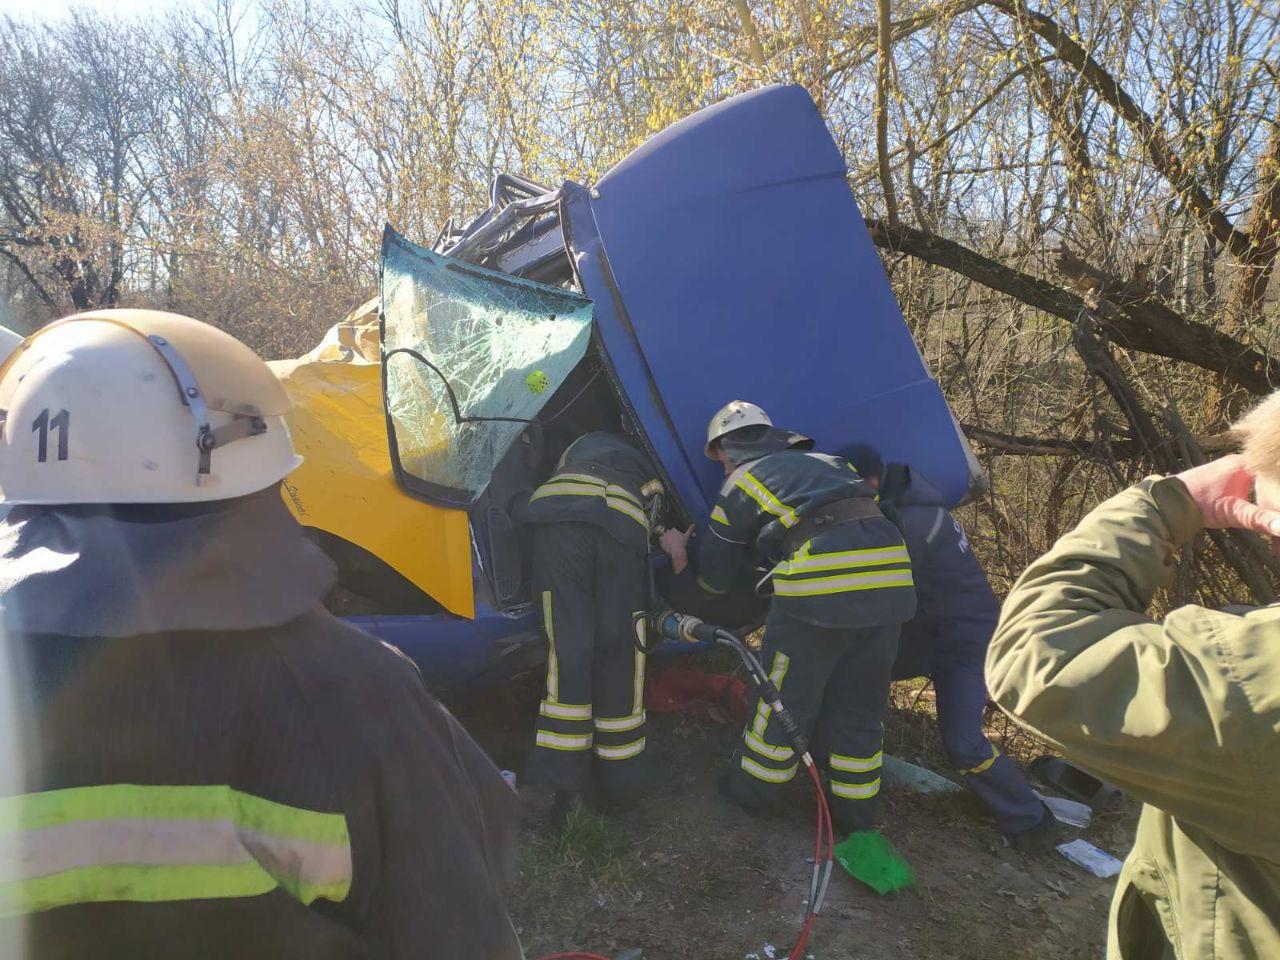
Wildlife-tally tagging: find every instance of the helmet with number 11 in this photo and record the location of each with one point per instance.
(139, 406)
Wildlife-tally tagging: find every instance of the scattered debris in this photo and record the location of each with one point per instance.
(1056, 887)
(1070, 812)
(1067, 778)
(1085, 854)
(900, 773)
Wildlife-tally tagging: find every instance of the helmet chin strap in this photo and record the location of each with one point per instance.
(248, 424)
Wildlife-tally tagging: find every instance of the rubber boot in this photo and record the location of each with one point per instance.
(1043, 837)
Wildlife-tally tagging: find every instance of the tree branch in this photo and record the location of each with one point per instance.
(1249, 368)
(1024, 446)
(1184, 345)
(1158, 149)
(883, 31)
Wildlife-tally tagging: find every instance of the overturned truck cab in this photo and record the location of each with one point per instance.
(723, 259)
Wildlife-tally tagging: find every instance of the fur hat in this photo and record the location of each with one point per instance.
(1259, 434)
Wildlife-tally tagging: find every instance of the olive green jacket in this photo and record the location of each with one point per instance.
(1183, 715)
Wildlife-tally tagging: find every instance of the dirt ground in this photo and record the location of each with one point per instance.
(686, 875)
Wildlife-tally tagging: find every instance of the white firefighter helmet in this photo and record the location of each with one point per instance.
(8, 342)
(734, 415)
(139, 406)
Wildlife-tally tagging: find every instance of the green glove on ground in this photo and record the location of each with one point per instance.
(870, 858)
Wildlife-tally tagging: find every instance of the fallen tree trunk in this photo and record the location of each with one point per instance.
(1172, 336)
(1026, 446)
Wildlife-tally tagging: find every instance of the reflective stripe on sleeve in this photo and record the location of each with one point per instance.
(855, 791)
(718, 515)
(163, 843)
(703, 585)
(761, 494)
(627, 507)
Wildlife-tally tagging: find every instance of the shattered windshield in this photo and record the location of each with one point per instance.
(472, 355)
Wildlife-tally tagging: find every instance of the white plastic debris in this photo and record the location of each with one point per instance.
(510, 777)
(1084, 854)
(1070, 812)
(900, 773)
(770, 951)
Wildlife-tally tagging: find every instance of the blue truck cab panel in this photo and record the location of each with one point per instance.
(723, 259)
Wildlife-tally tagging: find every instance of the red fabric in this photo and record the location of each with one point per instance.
(711, 697)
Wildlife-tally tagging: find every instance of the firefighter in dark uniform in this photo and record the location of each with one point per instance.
(842, 586)
(947, 642)
(212, 765)
(590, 569)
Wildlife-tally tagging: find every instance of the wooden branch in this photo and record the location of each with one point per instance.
(1177, 339)
(1125, 449)
(750, 32)
(1249, 290)
(1249, 368)
(1154, 141)
(883, 30)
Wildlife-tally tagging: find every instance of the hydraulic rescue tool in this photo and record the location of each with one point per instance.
(689, 629)
(683, 627)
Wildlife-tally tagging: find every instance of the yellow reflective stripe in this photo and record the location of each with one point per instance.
(857, 764)
(766, 774)
(985, 764)
(579, 478)
(758, 745)
(613, 496)
(855, 791)
(637, 676)
(624, 752)
(625, 506)
(710, 589)
(841, 561)
(563, 741)
(718, 515)
(565, 711)
(758, 492)
(620, 724)
(776, 673)
(554, 489)
(818, 586)
(553, 662)
(616, 491)
(161, 843)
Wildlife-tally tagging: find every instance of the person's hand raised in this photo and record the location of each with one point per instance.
(1221, 489)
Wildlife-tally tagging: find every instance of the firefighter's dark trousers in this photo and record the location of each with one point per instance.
(961, 693)
(842, 674)
(593, 592)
